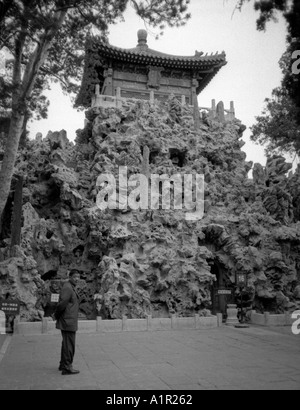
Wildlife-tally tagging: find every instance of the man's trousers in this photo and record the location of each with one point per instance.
(67, 349)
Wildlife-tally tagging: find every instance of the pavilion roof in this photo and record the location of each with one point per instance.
(143, 55)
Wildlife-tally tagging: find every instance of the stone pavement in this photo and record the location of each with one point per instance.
(216, 359)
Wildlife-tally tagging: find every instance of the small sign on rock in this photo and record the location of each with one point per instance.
(224, 291)
(54, 297)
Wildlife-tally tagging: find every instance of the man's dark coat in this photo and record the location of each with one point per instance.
(67, 309)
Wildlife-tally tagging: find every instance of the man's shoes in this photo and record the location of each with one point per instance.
(69, 371)
(61, 368)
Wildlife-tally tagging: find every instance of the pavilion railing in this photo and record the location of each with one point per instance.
(215, 111)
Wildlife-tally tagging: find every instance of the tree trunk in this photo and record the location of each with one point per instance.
(23, 90)
(16, 223)
(11, 150)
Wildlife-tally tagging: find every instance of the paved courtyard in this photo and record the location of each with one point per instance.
(215, 359)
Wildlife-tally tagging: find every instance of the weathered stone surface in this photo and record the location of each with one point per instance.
(153, 262)
(20, 278)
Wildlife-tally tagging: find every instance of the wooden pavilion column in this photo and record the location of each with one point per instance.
(108, 88)
(195, 84)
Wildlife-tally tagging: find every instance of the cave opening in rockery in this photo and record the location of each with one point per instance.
(219, 299)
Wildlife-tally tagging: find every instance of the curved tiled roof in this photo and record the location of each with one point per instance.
(145, 55)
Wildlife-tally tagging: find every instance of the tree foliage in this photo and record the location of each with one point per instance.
(268, 10)
(26, 24)
(279, 126)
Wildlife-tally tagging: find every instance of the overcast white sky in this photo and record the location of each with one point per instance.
(251, 74)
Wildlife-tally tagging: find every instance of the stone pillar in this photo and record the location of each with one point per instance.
(16, 224)
(149, 319)
(173, 321)
(97, 90)
(267, 318)
(213, 108)
(220, 113)
(232, 313)
(99, 324)
(232, 111)
(44, 325)
(124, 323)
(196, 321)
(220, 319)
(183, 100)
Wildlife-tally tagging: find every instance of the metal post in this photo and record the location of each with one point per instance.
(213, 108)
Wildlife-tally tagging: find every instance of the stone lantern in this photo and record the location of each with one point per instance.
(232, 315)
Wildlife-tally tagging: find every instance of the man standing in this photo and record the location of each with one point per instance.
(66, 315)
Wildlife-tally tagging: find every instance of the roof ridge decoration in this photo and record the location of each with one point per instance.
(143, 48)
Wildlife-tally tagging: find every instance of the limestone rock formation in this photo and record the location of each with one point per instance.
(139, 262)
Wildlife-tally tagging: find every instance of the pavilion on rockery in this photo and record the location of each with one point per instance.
(112, 74)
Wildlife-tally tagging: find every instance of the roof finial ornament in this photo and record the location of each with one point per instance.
(142, 38)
